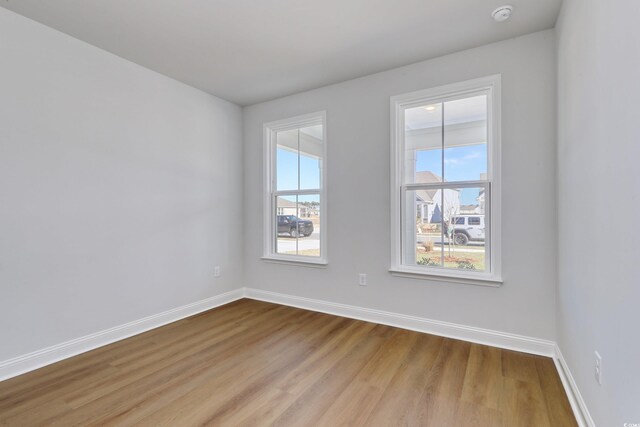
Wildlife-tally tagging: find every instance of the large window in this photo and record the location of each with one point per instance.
(295, 182)
(446, 182)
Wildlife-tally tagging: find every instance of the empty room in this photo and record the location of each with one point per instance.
(319, 213)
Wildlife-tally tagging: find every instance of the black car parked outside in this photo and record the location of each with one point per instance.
(294, 226)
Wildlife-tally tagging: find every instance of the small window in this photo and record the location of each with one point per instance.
(445, 154)
(295, 189)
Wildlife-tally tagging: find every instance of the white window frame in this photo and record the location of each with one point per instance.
(271, 194)
(492, 276)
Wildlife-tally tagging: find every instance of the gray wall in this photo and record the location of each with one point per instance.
(599, 202)
(358, 192)
(119, 190)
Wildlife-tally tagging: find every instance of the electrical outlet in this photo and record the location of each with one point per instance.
(362, 279)
(216, 271)
(598, 368)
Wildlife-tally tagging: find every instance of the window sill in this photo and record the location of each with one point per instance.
(296, 261)
(451, 277)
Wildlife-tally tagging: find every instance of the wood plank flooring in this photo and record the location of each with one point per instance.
(252, 363)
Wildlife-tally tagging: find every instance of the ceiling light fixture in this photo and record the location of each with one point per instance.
(502, 13)
(430, 107)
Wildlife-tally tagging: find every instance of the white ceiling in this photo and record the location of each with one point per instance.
(248, 51)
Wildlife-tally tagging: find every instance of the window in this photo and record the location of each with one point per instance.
(474, 220)
(295, 183)
(445, 166)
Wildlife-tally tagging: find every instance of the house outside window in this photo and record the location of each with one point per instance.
(445, 184)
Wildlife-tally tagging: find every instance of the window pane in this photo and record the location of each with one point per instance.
(464, 225)
(311, 149)
(309, 225)
(465, 139)
(422, 239)
(298, 225)
(423, 144)
(287, 160)
(287, 225)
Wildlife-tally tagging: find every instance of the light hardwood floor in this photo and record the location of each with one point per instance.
(252, 363)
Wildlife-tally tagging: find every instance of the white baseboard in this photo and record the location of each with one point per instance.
(573, 393)
(419, 324)
(37, 359)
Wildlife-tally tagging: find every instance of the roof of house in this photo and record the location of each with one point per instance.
(468, 207)
(426, 177)
(284, 203)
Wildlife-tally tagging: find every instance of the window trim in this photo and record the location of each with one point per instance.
(269, 176)
(398, 103)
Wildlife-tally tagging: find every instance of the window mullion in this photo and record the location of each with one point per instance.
(439, 185)
(298, 143)
(298, 200)
(311, 192)
(442, 188)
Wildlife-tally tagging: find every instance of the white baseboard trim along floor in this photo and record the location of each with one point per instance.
(46, 356)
